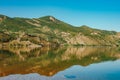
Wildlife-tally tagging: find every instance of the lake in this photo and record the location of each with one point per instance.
(62, 63)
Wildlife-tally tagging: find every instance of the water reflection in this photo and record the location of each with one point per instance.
(48, 62)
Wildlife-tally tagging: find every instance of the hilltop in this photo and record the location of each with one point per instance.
(49, 31)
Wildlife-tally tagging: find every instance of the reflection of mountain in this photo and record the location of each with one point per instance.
(46, 61)
(90, 54)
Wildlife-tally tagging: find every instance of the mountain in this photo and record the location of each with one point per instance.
(49, 31)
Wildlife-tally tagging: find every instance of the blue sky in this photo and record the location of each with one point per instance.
(101, 14)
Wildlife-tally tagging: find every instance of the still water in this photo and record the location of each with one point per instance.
(63, 63)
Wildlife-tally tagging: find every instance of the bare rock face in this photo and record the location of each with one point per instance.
(1, 19)
(4, 17)
(52, 19)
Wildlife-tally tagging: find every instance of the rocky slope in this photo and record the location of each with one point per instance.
(48, 31)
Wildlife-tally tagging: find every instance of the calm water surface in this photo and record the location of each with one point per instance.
(63, 63)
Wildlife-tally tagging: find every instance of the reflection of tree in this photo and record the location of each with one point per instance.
(47, 61)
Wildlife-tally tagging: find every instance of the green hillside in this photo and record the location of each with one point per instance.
(49, 31)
